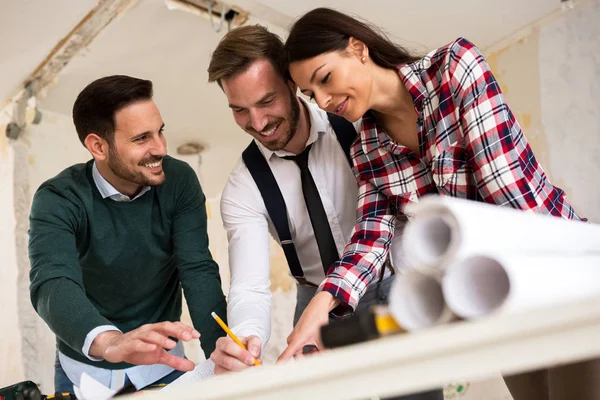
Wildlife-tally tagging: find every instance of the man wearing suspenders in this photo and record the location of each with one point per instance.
(294, 182)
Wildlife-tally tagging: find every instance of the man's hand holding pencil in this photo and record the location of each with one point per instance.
(233, 354)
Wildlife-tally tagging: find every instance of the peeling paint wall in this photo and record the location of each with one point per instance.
(516, 68)
(569, 60)
(42, 152)
(551, 81)
(10, 340)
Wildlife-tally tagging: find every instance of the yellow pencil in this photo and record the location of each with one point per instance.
(231, 335)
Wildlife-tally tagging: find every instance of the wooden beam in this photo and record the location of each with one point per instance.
(76, 40)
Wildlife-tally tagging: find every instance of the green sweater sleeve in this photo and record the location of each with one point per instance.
(56, 283)
(199, 273)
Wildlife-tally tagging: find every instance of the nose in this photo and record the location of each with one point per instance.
(323, 100)
(258, 120)
(159, 146)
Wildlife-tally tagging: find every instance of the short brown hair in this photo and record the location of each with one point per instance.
(241, 47)
(96, 106)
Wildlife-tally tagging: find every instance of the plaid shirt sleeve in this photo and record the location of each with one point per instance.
(503, 165)
(347, 279)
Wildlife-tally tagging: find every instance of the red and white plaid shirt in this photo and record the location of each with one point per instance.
(470, 146)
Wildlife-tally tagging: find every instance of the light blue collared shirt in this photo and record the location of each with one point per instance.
(108, 190)
(140, 375)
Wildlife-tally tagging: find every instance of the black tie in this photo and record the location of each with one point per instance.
(316, 212)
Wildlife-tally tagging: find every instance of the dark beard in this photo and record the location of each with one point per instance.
(293, 123)
(295, 117)
(118, 168)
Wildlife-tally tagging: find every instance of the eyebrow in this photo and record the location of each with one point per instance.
(312, 78)
(262, 100)
(139, 135)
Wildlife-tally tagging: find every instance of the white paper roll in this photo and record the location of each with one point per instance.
(443, 229)
(416, 301)
(483, 284)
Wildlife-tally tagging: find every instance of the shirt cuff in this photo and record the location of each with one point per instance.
(246, 331)
(342, 290)
(89, 339)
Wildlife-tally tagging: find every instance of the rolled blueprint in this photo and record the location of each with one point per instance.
(443, 229)
(489, 283)
(417, 302)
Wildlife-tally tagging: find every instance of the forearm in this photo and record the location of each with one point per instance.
(249, 310)
(249, 299)
(101, 342)
(361, 263)
(63, 306)
(203, 293)
(366, 252)
(326, 300)
(202, 289)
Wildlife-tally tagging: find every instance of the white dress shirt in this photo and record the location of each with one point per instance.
(141, 375)
(248, 225)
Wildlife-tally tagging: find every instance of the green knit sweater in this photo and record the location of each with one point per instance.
(97, 261)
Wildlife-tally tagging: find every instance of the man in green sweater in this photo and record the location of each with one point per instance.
(113, 241)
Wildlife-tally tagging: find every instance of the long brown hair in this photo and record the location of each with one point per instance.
(323, 30)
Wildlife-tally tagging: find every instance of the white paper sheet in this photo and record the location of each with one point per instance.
(91, 389)
(492, 283)
(204, 370)
(417, 302)
(443, 229)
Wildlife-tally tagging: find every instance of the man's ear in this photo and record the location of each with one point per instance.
(358, 48)
(293, 86)
(97, 146)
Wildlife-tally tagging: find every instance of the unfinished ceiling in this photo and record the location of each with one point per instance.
(172, 48)
(431, 23)
(28, 34)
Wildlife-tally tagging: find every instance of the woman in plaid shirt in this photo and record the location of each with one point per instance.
(436, 124)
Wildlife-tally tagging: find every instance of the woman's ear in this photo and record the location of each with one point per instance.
(358, 48)
(97, 146)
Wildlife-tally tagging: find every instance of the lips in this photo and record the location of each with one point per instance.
(270, 132)
(154, 166)
(341, 108)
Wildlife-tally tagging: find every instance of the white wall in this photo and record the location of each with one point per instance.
(42, 152)
(570, 98)
(10, 340)
(551, 81)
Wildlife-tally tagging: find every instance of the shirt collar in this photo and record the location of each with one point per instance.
(318, 125)
(373, 136)
(410, 74)
(108, 190)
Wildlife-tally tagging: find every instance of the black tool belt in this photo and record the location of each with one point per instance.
(27, 390)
